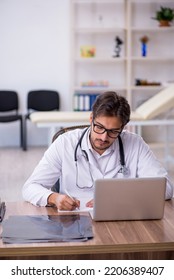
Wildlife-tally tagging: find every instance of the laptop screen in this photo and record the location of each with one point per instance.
(129, 199)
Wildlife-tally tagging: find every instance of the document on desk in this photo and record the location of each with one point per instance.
(83, 207)
(51, 228)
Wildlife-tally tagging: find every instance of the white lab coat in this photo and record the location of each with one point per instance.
(58, 162)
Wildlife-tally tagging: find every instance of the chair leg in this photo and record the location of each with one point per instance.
(25, 134)
(21, 133)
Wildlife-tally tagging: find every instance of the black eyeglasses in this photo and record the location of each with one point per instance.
(112, 133)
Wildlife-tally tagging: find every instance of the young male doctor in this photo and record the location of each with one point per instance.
(104, 150)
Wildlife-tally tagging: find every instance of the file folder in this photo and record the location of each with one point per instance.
(84, 101)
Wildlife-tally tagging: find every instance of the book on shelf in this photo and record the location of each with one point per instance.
(84, 101)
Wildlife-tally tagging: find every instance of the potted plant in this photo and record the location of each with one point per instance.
(165, 15)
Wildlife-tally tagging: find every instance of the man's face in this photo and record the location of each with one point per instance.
(102, 141)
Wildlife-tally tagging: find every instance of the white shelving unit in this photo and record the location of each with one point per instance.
(158, 64)
(98, 23)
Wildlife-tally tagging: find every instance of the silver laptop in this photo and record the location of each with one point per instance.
(129, 199)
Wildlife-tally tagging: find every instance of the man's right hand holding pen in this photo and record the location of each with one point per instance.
(63, 202)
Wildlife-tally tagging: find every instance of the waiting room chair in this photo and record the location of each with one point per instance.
(56, 186)
(9, 105)
(40, 100)
(66, 129)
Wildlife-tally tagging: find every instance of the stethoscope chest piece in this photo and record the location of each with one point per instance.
(125, 170)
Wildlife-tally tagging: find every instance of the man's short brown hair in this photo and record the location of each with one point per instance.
(111, 104)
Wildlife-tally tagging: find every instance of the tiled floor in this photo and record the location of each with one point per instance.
(16, 166)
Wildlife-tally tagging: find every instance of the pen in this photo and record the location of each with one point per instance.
(2, 211)
(72, 198)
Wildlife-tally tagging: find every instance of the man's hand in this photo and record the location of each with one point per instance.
(90, 203)
(63, 202)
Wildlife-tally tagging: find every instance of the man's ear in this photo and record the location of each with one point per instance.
(91, 118)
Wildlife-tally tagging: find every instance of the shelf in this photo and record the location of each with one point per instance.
(97, 1)
(97, 23)
(153, 59)
(100, 60)
(99, 30)
(148, 88)
(98, 89)
(152, 29)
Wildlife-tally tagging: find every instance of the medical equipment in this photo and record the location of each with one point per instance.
(124, 170)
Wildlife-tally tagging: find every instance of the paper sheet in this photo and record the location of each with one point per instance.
(82, 208)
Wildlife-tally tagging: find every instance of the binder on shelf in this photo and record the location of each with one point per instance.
(87, 102)
(84, 101)
(75, 102)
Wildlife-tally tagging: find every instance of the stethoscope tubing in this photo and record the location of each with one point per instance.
(121, 149)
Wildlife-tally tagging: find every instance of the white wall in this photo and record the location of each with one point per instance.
(34, 54)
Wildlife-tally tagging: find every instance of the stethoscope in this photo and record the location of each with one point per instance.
(123, 169)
